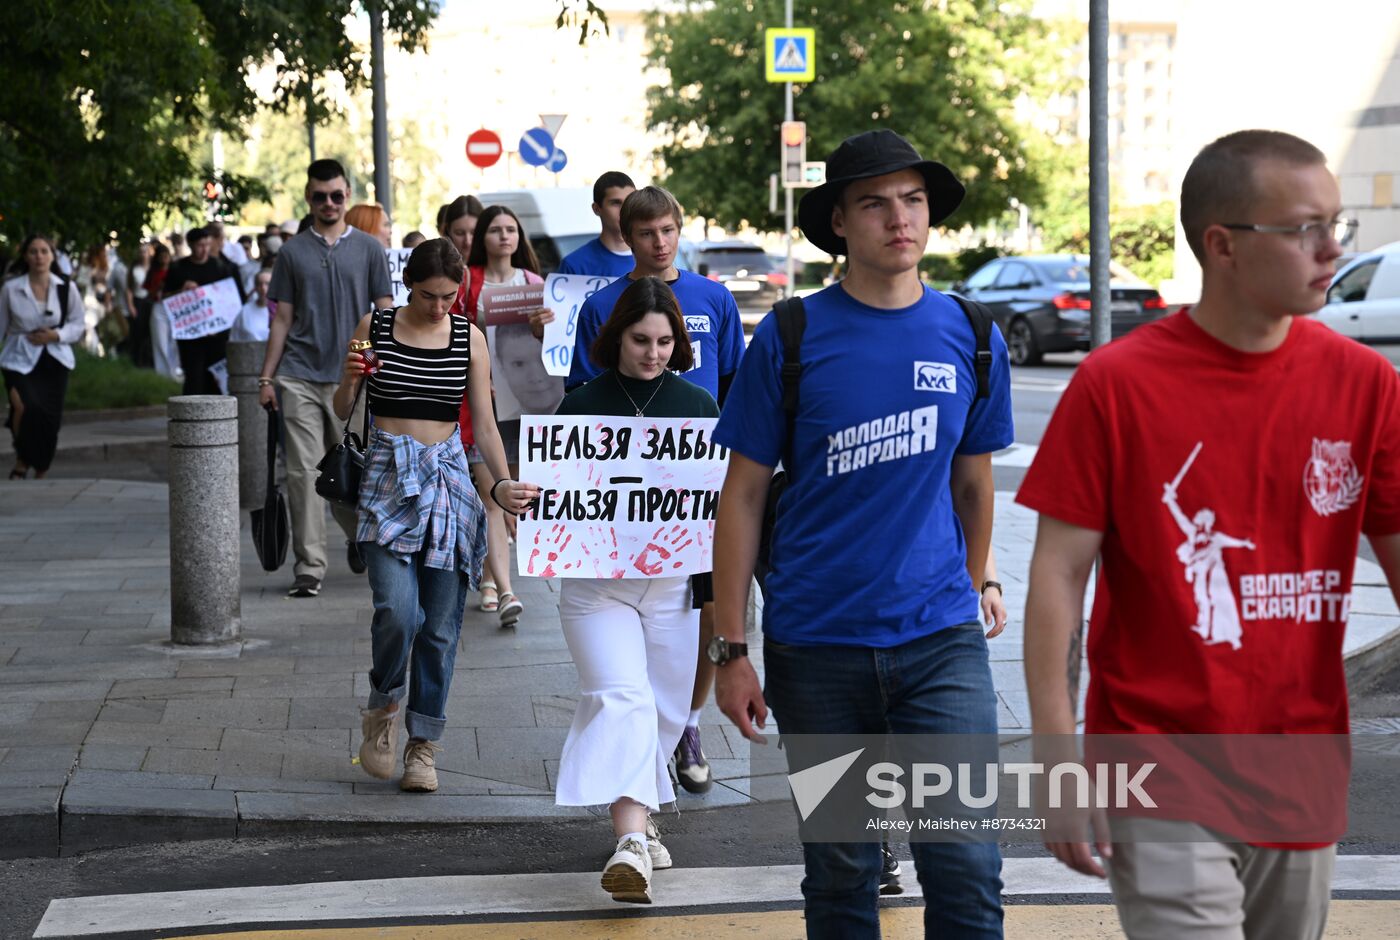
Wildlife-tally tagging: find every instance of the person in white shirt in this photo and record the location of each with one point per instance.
(229, 249)
(255, 319)
(36, 352)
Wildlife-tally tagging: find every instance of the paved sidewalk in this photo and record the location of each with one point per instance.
(110, 736)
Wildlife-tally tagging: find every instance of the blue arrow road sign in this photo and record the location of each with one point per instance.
(558, 161)
(536, 146)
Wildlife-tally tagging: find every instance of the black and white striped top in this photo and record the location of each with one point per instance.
(413, 382)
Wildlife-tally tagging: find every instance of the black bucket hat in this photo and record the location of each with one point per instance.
(874, 153)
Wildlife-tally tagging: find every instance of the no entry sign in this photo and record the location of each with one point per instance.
(484, 148)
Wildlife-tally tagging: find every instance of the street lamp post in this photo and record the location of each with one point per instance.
(382, 190)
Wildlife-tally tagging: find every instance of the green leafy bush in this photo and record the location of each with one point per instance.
(114, 383)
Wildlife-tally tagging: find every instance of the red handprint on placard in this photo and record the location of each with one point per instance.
(675, 540)
(557, 541)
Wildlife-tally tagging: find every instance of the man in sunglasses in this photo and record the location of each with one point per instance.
(1220, 465)
(325, 279)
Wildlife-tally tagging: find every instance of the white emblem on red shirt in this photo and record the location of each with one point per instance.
(1330, 477)
(1203, 554)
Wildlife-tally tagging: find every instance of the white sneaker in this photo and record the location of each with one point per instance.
(660, 855)
(627, 876)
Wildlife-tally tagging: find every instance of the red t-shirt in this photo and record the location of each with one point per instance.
(1231, 489)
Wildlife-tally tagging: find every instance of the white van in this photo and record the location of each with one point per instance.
(557, 220)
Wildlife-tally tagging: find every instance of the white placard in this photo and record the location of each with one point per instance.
(205, 310)
(620, 497)
(219, 371)
(565, 294)
(397, 258)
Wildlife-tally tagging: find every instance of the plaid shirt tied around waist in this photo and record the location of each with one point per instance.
(417, 497)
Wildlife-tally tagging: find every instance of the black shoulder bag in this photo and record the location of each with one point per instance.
(792, 323)
(344, 464)
(272, 527)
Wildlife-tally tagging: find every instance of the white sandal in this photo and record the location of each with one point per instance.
(490, 601)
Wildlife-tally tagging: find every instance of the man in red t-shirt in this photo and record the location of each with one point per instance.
(1221, 465)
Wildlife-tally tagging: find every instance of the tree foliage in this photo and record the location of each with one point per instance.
(103, 101)
(944, 73)
(1142, 238)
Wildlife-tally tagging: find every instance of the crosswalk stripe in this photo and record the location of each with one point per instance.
(1023, 922)
(464, 896)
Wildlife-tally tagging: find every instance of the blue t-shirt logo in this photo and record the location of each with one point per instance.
(936, 377)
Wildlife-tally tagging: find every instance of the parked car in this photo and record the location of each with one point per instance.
(751, 276)
(1364, 299)
(1042, 302)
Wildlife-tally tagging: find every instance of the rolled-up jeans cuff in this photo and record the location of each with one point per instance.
(378, 699)
(422, 726)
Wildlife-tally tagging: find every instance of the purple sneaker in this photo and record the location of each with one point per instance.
(692, 770)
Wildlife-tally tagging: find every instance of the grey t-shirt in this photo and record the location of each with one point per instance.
(331, 287)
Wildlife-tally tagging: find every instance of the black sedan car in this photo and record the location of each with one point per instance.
(745, 269)
(1042, 303)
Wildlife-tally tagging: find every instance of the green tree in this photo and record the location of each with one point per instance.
(103, 102)
(274, 151)
(1142, 238)
(945, 73)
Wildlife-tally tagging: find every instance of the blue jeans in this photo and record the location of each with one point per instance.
(417, 619)
(938, 684)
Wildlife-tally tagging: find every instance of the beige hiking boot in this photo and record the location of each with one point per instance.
(380, 746)
(419, 767)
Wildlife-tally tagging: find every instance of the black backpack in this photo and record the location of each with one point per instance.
(792, 323)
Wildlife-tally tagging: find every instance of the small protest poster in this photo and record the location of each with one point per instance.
(397, 258)
(503, 303)
(205, 310)
(619, 497)
(219, 371)
(565, 294)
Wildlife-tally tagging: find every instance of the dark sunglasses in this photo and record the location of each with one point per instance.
(337, 197)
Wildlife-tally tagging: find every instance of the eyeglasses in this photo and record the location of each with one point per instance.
(1310, 236)
(337, 197)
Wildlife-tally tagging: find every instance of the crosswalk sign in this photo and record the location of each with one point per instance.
(790, 54)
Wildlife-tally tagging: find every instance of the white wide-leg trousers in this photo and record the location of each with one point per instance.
(634, 643)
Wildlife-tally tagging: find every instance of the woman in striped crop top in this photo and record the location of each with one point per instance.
(422, 526)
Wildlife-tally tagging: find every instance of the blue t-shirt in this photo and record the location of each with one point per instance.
(596, 258)
(867, 550)
(711, 320)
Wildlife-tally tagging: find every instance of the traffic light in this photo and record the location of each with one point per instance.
(794, 139)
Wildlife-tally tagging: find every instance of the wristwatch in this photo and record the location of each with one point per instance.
(720, 651)
(991, 584)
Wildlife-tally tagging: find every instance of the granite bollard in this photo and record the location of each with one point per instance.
(244, 363)
(204, 537)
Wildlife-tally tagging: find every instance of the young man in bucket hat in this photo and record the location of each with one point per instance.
(871, 618)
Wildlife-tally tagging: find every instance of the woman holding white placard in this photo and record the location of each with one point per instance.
(634, 641)
(500, 256)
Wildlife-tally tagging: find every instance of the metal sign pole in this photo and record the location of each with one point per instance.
(1100, 245)
(787, 190)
